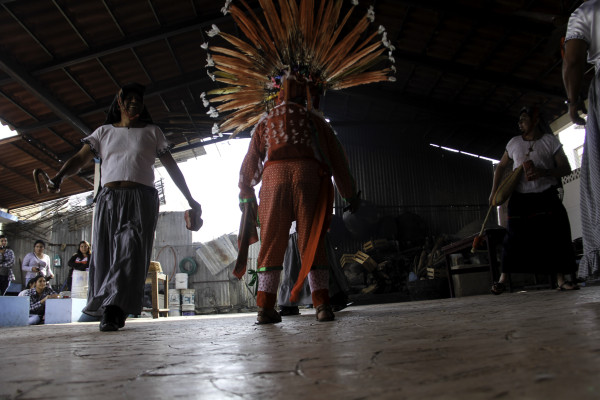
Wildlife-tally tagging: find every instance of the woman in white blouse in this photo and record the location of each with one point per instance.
(127, 204)
(539, 234)
(37, 262)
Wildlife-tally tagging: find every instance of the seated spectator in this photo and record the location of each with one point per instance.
(37, 262)
(38, 295)
(30, 284)
(79, 261)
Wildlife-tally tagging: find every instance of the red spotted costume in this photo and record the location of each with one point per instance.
(295, 152)
(281, 65)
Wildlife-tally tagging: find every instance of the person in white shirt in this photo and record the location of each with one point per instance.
(127, 204)
(37, 262)
(539, 234)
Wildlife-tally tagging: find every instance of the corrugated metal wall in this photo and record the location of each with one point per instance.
(214, 293)
(173, 244)
(68, 235)
(400, 174)
(397, 175)
(61, 240)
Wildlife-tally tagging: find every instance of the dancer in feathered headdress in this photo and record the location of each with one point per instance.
(274, 80)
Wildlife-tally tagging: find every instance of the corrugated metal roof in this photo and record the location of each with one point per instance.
(464, 69)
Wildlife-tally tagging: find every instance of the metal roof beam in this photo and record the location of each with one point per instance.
(509, 74)
(177, 63)
(450, 8)
(407, 123)
(26, 29)
(432, 107)
(127, 43)
(71, 24)
(105, 68)
(154, 89)
(17, 105)
(28, 177)
(140, 64)
(18, 73)
(112, 16)
(201, 144)
(21, 196)
(54, 168)
(79, 85)
(153, 10)
(476, 73)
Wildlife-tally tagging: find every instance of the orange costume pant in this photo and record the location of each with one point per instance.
(289, 192)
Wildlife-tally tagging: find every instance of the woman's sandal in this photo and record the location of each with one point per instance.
(267, 316)
(498, 288)
(574, 286)
(324, 313)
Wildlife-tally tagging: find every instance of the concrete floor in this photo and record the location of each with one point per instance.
(535, 345)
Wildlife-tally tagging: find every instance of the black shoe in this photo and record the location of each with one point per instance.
(498, 288)
(112, 319)
(108, 326)
(339, 301)
(121, 317)
(285, 311)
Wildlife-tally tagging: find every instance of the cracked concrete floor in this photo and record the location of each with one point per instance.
(534, 345)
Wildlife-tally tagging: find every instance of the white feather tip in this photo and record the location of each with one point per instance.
(214, 31)
(213, 112)
(225, 9)
(371, 14)
(209, 61)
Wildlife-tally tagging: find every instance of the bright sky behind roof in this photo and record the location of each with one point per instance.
(5, 132)
(571, 138)
(213, 181)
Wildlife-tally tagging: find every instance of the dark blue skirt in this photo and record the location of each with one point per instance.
(539, 235)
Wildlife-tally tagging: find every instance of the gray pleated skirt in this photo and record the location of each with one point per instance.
(590, 187)
(338, 284)
(124, 224)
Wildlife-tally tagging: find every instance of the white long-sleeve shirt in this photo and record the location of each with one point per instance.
(31, 260)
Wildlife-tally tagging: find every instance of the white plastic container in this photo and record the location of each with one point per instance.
(181, 281)
(79, 285)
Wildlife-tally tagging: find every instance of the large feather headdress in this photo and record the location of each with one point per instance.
(304, 39)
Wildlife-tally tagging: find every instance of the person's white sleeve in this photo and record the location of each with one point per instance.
(579, 26)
